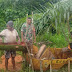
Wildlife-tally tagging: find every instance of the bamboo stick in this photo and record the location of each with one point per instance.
(26, 17)
(32, 43)
(51, 66)
(68, 65)
(67, 39)
(41, 69)
(32, 34)
(68, 24)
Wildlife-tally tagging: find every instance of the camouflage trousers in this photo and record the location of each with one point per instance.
(29, 45)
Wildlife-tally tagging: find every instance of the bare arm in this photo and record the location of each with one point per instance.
(18, 39)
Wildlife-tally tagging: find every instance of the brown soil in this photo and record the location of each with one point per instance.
(18, 60)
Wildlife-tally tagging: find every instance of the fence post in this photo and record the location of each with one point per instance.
(69, 65)
(51, 66)
(41, 68)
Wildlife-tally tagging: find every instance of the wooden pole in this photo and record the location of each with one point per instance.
(67, 38)
(32, 34)
(26, 17)
(32, 17)
(51, 66)
(68, 24)
(41, 69)
(68, 65)
(32, 43)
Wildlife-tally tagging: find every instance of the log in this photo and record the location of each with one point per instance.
(13, 47)
(41, 51)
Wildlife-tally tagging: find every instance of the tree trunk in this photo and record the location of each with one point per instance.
(13, 47)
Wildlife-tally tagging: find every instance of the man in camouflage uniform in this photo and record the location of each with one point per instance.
(27, 33)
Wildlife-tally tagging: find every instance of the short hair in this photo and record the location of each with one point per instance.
(29, 18)
(10, 23)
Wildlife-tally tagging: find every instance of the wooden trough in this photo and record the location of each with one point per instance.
(61, 58)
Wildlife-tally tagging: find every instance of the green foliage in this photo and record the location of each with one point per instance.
(58, 41)
(17, 9)
(13, 9)
(55, 15)
(50, 19)
(53, 20)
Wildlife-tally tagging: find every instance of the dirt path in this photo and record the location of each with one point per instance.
(18, 60)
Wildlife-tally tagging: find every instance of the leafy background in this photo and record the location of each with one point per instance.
(51, 18)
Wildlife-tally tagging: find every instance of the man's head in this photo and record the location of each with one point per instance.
(10, 25)
(29, 20)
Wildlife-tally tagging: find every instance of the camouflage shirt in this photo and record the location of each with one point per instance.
(28, 31)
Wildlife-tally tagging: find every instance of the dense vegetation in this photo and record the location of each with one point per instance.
(51, 23)
(51, 18)
(13, 9)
